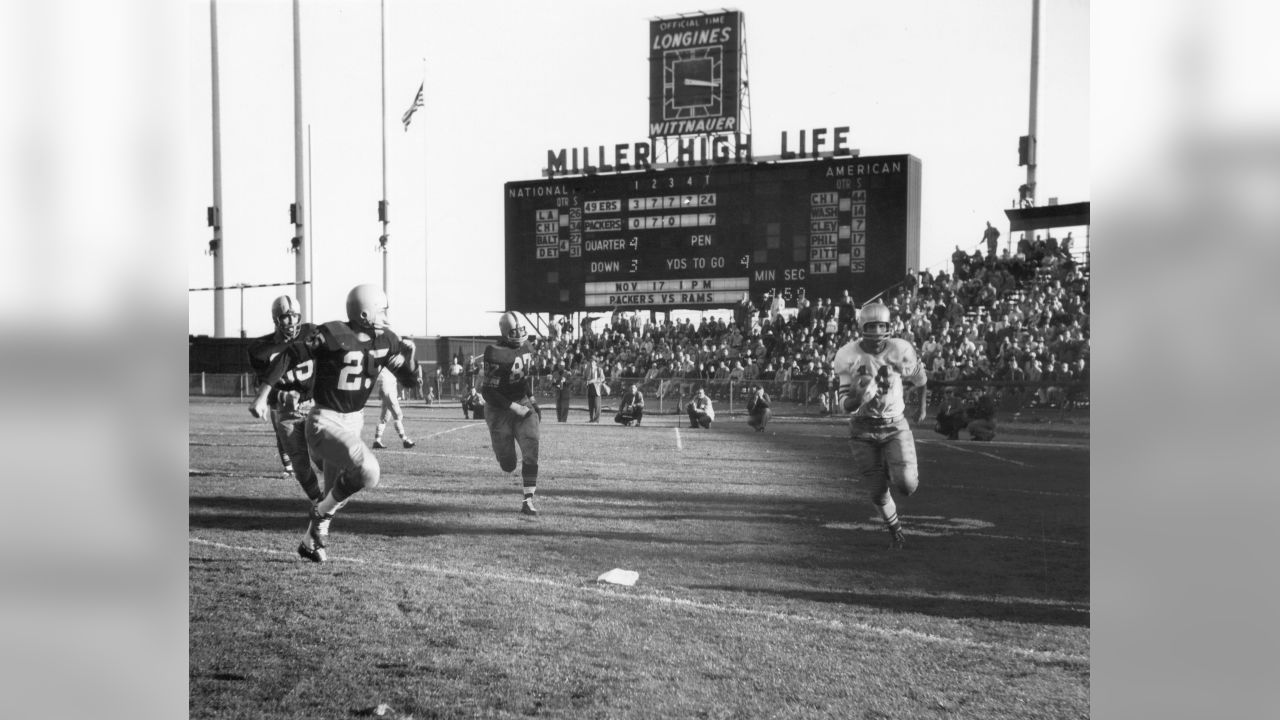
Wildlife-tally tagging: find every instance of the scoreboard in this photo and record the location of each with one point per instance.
(701, 236)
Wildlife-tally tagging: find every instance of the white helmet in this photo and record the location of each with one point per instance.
(287, 316)
(874, 313)
(367, 307)
(511, 329)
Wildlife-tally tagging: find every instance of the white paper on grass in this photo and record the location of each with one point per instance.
(618, 576)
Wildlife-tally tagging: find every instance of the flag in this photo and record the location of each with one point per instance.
(417, 103)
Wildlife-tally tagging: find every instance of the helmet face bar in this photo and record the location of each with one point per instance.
(511, 328)
(287, 316)
(367, 307)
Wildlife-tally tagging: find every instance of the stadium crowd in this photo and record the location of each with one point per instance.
(992, 322)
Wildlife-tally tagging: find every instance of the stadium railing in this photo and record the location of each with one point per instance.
(670, 395)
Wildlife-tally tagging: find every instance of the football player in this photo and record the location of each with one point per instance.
(289, 398)
(874, 373)
(347, 358)
(390, 409)
(510, 410)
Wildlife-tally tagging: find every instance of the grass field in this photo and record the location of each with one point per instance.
(765, 588)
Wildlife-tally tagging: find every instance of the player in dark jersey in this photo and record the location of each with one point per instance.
(510, 411)
(289, 399)
(348, 357)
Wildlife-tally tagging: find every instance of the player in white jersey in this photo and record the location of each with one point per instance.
(874, 372)
(390, 393)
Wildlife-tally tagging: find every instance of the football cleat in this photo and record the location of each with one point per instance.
(527, 508)
(377, 445)
(312, 554)
(897, 540)
(317, 534)
(409, 443)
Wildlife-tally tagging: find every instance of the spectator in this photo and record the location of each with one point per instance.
(630, 407)
(991, 236)
(473, 404)
(700, 410)
(560, 383)
(758, 409)
(960, 263)
(455, 374)
(743, 312)
(804, 316)
(593, 376)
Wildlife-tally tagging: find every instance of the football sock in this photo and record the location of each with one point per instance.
(529, 473)
(400, 429)
(327, 504)
(311, 484)
(377, 432)
(889, 512)
(891, 523)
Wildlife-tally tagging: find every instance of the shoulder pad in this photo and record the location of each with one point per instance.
(337, 334)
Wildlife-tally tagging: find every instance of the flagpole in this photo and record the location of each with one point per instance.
(383, 206)
(426, 287)
(311, 258)
(1031, 115)
(215, 212)
(299, 225)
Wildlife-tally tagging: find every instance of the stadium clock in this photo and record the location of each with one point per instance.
(692, 82)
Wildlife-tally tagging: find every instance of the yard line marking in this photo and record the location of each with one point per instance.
(1066, 543)
(978, 452)
(445, 432)
(1051, 655)
(991, 443)
(1020, 491)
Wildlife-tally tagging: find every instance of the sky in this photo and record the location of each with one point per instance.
(504, 82)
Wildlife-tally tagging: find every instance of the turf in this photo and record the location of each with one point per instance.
(765, 586)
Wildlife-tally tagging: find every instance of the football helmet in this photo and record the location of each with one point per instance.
(367, 307)
(874, 313)
(286, 313)
(511, 328)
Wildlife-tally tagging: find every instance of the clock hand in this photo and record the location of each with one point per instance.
(701, 83)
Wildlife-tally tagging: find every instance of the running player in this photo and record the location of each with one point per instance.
(874, 372)
(289, 399)
(348, 357)
(390, 393)
(510, 410)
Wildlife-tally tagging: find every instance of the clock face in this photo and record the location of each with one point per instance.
(693, 83)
